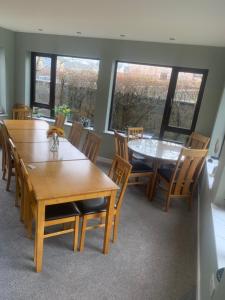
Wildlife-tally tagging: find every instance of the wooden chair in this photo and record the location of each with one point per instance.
(181, 181)
(3, 146)
(96, 208)
(75, 133)
(197, 141)
(57, 214)
(22, 113)
(91, 146)
(135, 133)
(60, 120)
(9, 164)
(19, 178)
(139, 168)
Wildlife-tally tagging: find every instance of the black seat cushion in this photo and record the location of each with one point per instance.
(92, 205)
(166, 173)
(140, 166)
(60, 211)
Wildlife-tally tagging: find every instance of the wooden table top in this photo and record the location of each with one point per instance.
(26, 124)
(30, 136)
(40, 152)
(68, 179)
(156, 149)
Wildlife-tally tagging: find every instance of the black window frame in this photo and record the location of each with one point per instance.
(170, 94)
(51, 105)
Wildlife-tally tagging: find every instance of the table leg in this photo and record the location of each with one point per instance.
(39, 235)
(108, 221)
(155, 165)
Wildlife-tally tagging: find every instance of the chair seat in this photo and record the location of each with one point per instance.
(166, 173)
(92, 206)
(60, 211)
(139, 166)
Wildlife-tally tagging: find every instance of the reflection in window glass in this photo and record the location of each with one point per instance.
(139, 97)
(185, 99)
(42, 79)
(76, 86)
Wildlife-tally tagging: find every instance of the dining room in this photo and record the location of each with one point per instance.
(112, 154)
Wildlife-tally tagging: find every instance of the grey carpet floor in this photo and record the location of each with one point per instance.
(154, 257)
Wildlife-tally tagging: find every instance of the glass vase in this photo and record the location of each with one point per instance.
(55, 143)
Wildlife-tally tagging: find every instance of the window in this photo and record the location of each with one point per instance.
(58, 80)
(163, 100)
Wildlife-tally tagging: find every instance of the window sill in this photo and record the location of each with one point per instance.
(53, 121)
(145, 136)
(218, 214)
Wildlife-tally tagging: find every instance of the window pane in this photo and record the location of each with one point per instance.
(175, 137)
(76, 85)
(185, 99)
(41, 112)
(42, 79)
(139, 97)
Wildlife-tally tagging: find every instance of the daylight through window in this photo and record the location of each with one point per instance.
(63, 80)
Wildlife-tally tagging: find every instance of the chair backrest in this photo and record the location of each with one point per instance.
(187, 171)
(119, 172)
(75, 133)
(197, 141)
(2, 138)
(6, 146)
(91, 146)
(28, 189)
(121, 145)
(134, 133)
(15, 157)
(60, 120)
(22, 113)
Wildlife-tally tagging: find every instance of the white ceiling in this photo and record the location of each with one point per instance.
(200, 22)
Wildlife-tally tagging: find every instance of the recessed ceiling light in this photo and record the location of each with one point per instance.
(172, 38)
(122, 35)
(40, 29)
(79, 32)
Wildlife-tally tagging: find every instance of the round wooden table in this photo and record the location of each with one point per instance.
(157, 150)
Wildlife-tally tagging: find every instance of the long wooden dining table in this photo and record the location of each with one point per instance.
(58, 178)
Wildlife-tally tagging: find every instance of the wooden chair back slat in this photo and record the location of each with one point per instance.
(75, 133)
(7, 150)
(22, 113)
(187, 171)
(60, 120)
(198, 141)
(121, 145)
(135, 133)
(119, 172)
(91, 146)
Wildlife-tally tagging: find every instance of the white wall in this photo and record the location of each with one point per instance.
(7, 74)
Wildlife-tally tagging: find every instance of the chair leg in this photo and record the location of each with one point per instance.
(9, 179)
(4, 173)
(35, 241)
(83, 233)
(29, 224)
(17, 194)
(190, 202)
(166, 208)
(76, 229)
(115, 228)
